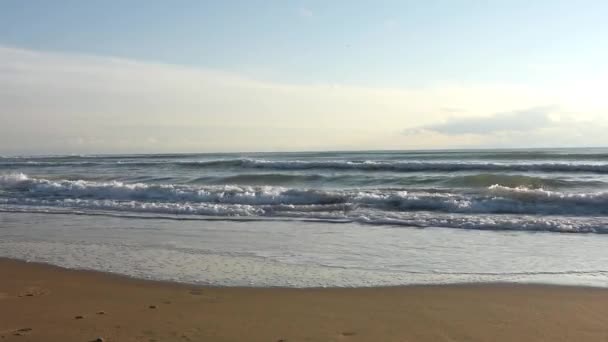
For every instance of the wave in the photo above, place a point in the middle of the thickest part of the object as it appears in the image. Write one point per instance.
(356, 180)
(395, 166)
(205, 211)
(318, 179)
(484, 180)
(275, 200)
(509, 155)
(265, 179)
(32, 164)
(22, 185)
(336, 165)
(353, 179)
(496, 207)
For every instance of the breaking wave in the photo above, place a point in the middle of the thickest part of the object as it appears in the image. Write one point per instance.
(372, 206)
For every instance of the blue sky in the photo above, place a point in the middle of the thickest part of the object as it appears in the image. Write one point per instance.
(534, 46)
(386, 43)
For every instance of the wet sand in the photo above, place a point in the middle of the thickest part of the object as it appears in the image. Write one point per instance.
(46, 303)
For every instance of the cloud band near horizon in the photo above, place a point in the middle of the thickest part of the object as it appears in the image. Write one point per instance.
(69, 103)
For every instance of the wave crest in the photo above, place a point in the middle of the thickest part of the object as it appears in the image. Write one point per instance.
(496, 199)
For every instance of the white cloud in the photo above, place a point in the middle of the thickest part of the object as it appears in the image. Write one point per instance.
(66, 103)
(531, 119)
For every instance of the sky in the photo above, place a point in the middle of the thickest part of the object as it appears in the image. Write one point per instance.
(226, 76)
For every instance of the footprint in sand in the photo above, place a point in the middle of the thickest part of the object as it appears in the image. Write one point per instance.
(197, 292)
(22, 331)
(33, 291)
(348, 334)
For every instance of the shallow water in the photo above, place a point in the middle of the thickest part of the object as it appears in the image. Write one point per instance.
(301, 254)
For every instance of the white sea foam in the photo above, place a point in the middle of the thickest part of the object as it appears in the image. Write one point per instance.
(204, 211)
(233, 200)
(301, 254)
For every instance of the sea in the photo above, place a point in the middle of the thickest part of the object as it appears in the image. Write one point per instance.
(315, 219)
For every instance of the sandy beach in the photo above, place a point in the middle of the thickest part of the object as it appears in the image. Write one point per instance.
(46, 303)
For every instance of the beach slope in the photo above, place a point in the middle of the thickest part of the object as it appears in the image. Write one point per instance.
(46, 303)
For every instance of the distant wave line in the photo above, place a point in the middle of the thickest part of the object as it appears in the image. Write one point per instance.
(357, 165)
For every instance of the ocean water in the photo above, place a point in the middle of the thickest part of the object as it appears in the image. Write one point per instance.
(315, 219)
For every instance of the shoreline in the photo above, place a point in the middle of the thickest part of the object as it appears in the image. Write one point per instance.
(43, 302)
(126, 277)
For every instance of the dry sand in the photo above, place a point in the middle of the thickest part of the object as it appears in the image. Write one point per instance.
(45, 303)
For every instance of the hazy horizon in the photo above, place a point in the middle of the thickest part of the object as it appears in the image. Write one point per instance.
(295, 152)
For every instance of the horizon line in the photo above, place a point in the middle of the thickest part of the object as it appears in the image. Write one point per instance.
(431, 150)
